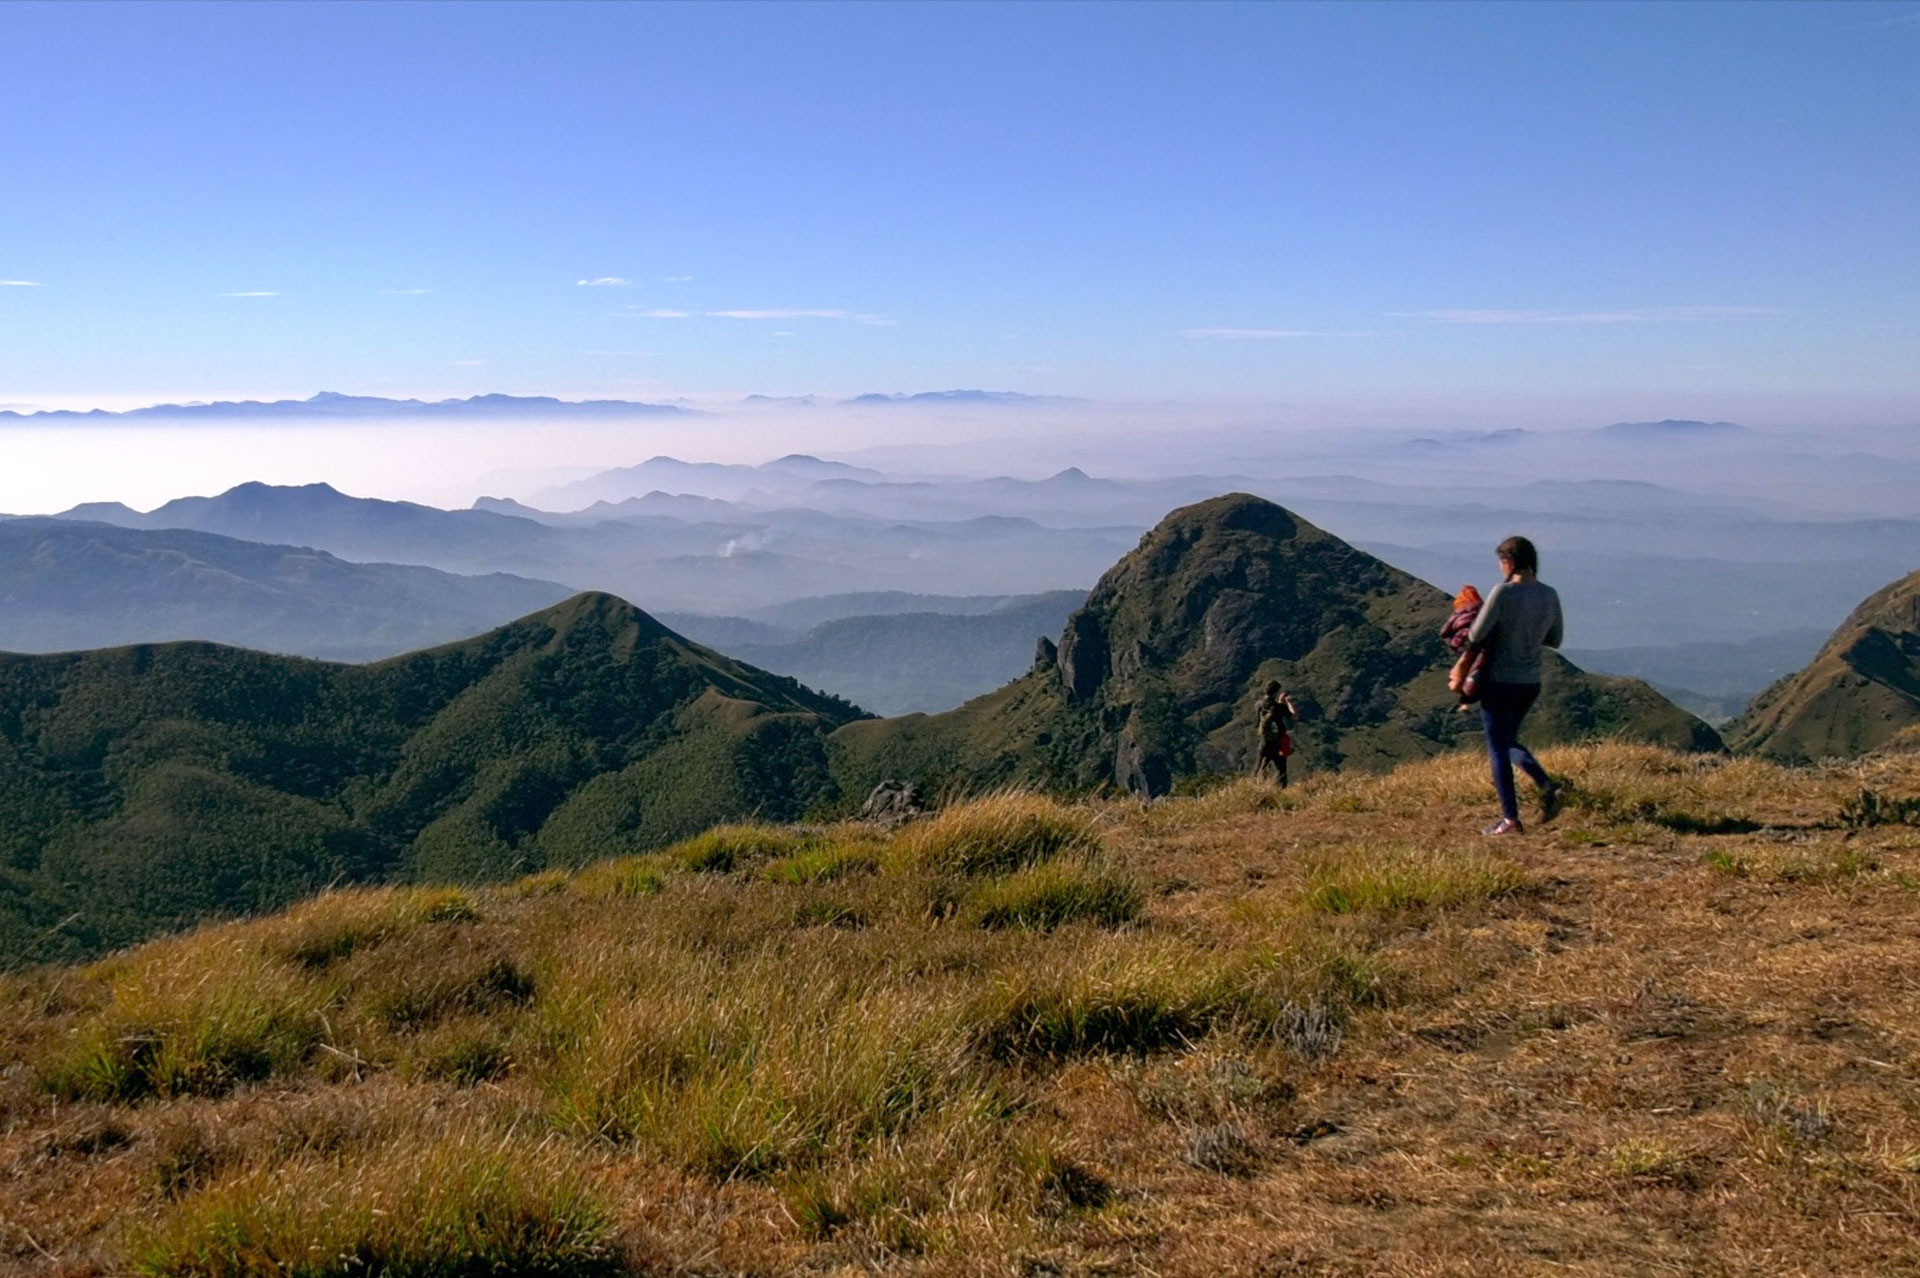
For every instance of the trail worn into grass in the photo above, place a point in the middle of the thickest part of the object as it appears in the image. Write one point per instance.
(1330, 1032)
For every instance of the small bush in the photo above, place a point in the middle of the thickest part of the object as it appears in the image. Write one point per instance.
(1871, 808)
(1403, 878)
(454, 1207)
(1226, 1148)
(725, 848)
(1056, 892)
(997, 834)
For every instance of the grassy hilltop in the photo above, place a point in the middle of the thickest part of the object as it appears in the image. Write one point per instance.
(149, 787)
(1325, 1031)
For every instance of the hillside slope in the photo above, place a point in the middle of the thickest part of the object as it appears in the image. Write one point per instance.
(1156, 675)
(1861, 689)
(69, 585)
(151, 786)
(1330, 1033)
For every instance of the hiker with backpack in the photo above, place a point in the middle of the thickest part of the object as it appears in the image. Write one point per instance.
(1274, 720)
(1521, 617)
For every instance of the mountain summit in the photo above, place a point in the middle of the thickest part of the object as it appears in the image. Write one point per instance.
(1156, 675)
(1862, 688)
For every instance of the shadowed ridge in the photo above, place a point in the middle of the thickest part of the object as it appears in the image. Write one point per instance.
(1156, 674)
(1861, 689)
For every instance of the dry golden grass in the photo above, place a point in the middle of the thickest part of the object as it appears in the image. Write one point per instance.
(1328, 1031)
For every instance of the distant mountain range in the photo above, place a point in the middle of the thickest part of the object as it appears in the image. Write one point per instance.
(67, 585)
(333, 406)
(899, 662)
(710, 479)
(712, 565)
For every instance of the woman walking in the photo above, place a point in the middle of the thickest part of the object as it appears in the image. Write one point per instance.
(1520, 617)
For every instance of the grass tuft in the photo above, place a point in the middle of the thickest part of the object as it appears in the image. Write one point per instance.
(627, 876)
(997, 834)
(1057, 892)
(725, 848)
(823, 863)
(193, 1019)
(1355, 880)
(455, 1207)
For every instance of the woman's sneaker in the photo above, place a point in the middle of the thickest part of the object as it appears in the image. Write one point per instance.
(1505, 825)
(1550, 796)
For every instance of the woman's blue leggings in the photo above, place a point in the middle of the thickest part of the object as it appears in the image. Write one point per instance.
(1502, 707)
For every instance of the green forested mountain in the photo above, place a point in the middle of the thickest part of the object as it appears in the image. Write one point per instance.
(1860, 689)
(66, 584)
(1156, 674)
(146, 787)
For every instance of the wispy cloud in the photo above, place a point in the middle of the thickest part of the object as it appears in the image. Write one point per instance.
(1898, 20)
(251, 293)
(780, 315)
(604, 281)
(403, 292)
(21, 284)
(677, 279)
(1639, 315)
(467, 363)
(772, 313)
(1263, 334)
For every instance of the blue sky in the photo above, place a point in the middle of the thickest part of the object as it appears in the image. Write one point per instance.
(1444, 204)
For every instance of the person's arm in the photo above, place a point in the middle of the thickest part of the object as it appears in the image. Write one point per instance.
(1554, 634)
